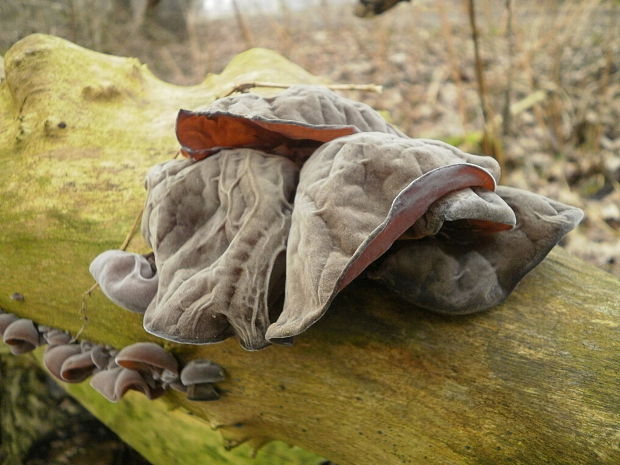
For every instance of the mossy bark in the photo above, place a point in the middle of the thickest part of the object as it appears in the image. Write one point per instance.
(376, 381)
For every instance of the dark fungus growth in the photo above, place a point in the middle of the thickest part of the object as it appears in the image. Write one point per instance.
(144, 366)
(284, 200)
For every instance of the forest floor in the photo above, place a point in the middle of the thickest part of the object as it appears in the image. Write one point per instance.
(556, 65)
(560, 67)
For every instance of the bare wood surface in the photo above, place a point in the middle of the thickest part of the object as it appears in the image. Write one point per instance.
(376, 381)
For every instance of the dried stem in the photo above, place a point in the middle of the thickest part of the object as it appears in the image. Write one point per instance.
(446, 30)
(245, 86)
(507, 116)
(471, 10)
(245, 30)
(491, 144)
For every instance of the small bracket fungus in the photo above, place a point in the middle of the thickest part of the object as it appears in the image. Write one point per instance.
(198, 376)
(297, 195)
(77, 368)
(127, 279)
(148, 358)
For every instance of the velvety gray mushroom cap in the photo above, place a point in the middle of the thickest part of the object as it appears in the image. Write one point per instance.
(347, 193)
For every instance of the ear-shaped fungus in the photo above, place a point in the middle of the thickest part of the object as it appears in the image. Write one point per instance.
(294, 122)
(459, 271)
(55, 337)
(354, 199)
(218, 229)
(104, 383)
(368, 198)
(76, 368)
(55, 356)
(127, 279)
(133, 380)
(21, 336)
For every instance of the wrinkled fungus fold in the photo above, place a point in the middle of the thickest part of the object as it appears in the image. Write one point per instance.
(219, 230)
(283, 201)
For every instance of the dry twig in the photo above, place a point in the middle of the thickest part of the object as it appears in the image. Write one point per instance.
(246, 86)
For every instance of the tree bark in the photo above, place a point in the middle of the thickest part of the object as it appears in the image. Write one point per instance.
(376, 381)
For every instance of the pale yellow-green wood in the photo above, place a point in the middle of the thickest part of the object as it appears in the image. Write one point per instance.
(533, 381)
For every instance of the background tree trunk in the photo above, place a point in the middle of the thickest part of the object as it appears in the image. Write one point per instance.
(376, 381)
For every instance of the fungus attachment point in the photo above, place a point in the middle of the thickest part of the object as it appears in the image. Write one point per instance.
(202, 392)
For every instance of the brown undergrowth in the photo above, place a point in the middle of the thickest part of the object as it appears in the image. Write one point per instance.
(551, 70)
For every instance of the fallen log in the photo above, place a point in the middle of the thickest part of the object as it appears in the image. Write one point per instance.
(533, 381)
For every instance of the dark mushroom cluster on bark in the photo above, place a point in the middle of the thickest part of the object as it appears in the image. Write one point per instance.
(143, 366)
(283, 201)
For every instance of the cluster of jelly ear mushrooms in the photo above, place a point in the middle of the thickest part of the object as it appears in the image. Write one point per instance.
(144, 366)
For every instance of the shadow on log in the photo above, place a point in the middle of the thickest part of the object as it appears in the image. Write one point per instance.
(376, 381)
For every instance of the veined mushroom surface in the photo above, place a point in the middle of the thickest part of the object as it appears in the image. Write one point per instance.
(283, 201)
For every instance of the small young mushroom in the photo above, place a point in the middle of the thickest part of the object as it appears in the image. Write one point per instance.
(104, 383)
(199, 376)
(129, 379)
(55, 356)
(22, 336)
(100, 357)
(55, 337)
(202, 371)
(147, 358)
(76, 368)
